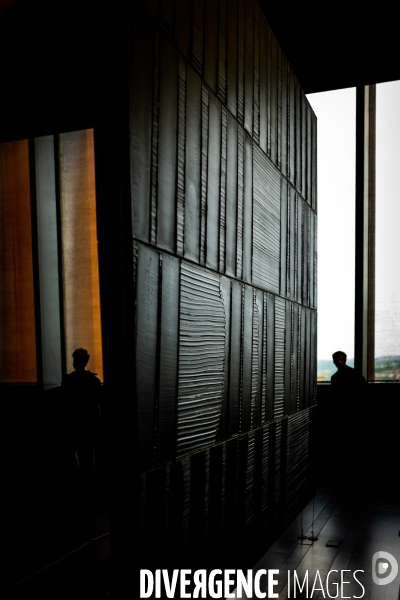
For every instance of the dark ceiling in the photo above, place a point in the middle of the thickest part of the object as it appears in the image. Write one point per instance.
(332, 48)
(60, 60)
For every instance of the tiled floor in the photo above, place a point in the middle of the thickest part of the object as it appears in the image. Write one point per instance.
(351, 527)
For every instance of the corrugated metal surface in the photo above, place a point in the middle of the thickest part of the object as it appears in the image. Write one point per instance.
(225, 192)
(201, 358)
(266, 223)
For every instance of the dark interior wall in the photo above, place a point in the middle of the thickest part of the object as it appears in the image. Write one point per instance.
(357, 438)
(223, 184)
(223, 190)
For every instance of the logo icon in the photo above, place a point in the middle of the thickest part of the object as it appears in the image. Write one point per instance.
(384, 568)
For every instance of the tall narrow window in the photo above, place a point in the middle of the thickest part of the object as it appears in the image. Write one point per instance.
(82, 323)
(336, 122)
(49, 280)
(387, 281)
(17, 317)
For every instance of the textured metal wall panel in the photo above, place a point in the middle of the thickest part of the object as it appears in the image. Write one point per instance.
(273, 100)
(263, 81)
(167, 146)
(294, 393)
(285, 114)
(264, 478)
(247, 346)
(231, 196)
(278, 161)
(256, 361)
(241, 61)
(193, 166)
(154, 141)
(276, 472)
(266, 223)
(202, 358)
(300, 255)
(241, 485)
(313, 359)
(303, 341)
(235, 358)
(306, 260)
(298, 130)
(167, 408)
(205, 102)
(284, 255)
(249, 491)
(213, 184)
(288, 357)
(303, 148)
(291, 243)
(279, 383)
(240, 205)
(264, 364)
(225, 292)
(232, 57)
(269, 41)
(222, 50)
(198, 34)
(314, 265)
(140, 112)
(292, 129)
(180, 175)
(228, 342)
(308, 156)
(269, 361)
(297, 471)
(247, 208)
(146, 351)
(314, 199)
(256, 83)
(307, 358)
(210, 68)
(222, 209)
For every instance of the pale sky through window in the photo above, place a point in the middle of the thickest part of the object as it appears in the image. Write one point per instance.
(336, 112)
(387, 278)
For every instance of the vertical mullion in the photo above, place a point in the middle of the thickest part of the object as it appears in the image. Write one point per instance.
(371, 176)
(35, 263)
(365, 231)
(59, 251)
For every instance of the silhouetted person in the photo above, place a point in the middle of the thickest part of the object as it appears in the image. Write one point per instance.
(346, 379)
(348, 435)
(81, 394)
(82, 418)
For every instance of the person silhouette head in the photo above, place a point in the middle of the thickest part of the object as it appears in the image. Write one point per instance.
(81, 359)
(339, 359)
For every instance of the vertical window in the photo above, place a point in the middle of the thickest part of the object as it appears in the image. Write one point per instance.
(387, 245)
(50, 275)
(336, 122)
(17, 317)
(82, 324)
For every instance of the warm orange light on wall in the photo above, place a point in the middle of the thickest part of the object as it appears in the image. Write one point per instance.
(82, 323)
(17, 315)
